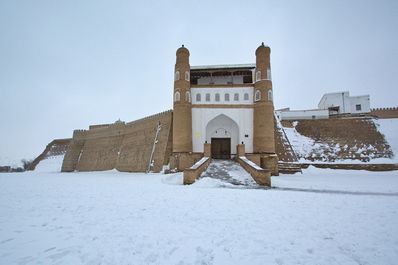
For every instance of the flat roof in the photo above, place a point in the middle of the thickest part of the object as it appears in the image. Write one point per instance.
(223, 66)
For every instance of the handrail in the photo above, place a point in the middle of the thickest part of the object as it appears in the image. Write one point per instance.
(284, 133)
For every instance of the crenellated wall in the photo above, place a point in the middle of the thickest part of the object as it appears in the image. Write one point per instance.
(123, 146)
(385, 113)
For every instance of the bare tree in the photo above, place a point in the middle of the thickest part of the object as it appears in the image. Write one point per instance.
(26, 163)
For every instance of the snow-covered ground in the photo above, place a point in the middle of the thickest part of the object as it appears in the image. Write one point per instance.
(124, 218)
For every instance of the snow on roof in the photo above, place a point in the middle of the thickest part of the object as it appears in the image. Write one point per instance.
(222, 66)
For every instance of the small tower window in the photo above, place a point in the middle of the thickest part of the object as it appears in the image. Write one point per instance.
(258, 75)
(187, 76)
(226, 97)
(217, 97)
(198, 97)
(270, 95)
(269, 74)
(188, 96)
(177, 96)
(246, 96)
(236, 97)
(257, 96)
(177, 76)
(207, 97)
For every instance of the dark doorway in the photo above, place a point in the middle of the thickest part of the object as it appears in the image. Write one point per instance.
(221, 148)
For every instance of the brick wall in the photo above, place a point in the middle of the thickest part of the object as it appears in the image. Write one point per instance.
(385, 113)
(345, 138)
(124, 146)
(54, 148)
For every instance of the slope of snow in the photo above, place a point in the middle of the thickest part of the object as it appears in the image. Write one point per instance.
(389, 127)
(125, 218)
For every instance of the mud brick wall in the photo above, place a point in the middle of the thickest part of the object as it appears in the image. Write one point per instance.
(124, 146)
(385, 113)
(357, 138)
(282, 147)
(54, 148)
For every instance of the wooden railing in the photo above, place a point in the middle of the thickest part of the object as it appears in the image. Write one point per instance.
(192, 173)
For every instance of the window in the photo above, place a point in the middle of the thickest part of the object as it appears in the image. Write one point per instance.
(258, 75)
(358, 107)
(187, 75)
(236, 97)
(198, 97)
(176, 96)
(269, 74)
(246, 96)
(207, 97)
(270, 95)
(187, 96)
(217, 97)
(177, 76)
(226, 97)
(257, 96)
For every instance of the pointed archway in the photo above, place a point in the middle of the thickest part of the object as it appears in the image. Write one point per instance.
(223, 133)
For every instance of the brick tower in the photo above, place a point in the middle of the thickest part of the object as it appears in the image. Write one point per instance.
(263, 116)
(182, 111)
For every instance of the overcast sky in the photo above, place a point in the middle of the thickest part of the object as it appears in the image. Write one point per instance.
(67, 64)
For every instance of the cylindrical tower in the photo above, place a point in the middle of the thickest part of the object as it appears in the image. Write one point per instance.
(263, 123)
(182, 112)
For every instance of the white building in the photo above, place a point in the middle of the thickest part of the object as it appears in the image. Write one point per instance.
(342, 103)
(294, 115)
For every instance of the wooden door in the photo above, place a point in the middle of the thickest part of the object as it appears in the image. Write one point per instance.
(221, 148)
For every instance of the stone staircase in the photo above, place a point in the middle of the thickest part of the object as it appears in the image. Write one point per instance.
(289, 167)
(288, 161)
(228, 171)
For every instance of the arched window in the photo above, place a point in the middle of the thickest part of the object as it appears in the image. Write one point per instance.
(177, 76)
(270, 95)
(246, 96)
(198, 97)
(258, 75)
(177, 96)
(226, 97)
(187, 75)
(236, 97)
(269, 74)
(207, 97)
(217, 97)
(257, 96)
(187, 96)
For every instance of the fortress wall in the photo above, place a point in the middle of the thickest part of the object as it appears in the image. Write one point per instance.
(138, 142)
(345, 138)
(99, 153)
(385, 113)
(56, 147)
(126, 147)
(72, 155)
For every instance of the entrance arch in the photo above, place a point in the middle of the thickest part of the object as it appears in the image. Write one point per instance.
(223, 133)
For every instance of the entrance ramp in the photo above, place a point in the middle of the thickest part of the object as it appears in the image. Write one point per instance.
(228, 171)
